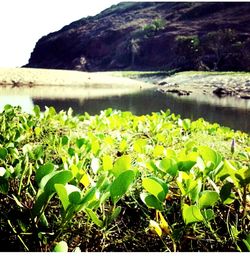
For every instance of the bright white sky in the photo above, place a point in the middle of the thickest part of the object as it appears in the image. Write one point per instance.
(23, 22)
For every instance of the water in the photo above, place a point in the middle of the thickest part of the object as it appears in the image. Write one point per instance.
(229, 111)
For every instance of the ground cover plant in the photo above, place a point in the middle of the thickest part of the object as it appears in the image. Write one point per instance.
(120, 182)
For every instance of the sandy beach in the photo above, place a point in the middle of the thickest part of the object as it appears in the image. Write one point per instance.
(65, 84)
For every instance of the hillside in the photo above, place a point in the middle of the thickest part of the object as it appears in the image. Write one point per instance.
(152, 35)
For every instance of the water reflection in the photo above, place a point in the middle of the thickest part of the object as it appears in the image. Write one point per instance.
(230, 112)
(24, 101)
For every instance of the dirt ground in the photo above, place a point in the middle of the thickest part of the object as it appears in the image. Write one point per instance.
(65, 84)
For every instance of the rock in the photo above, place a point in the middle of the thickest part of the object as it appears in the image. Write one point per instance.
(223, 91)
(179, 92)
(245, 96)
(163, 83)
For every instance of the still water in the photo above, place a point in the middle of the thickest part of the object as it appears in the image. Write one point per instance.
(229, 111)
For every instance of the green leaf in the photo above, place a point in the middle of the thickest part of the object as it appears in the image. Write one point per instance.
(121, 185)
(64, 140)
(75, 197)
(37, 111)
(4, 186)
(209, 155)
(191, 214)
(40, 203)
(107, 162)
(63, 195)
(122, 164)
(168, 165)
(59, 177)
(194, 189)
(115, 213)
(208, 199)
(156, 187)
(80, 142)
(3, 153)
(151, 201)
(186, 124)
(62, 246)
(94, 217)
(71, 152)
(88, 197)
(225, 192)
(208, 214)
(140, 145)
(44, 170)
(38, 152)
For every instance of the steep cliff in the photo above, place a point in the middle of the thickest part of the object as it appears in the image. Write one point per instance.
(150, 36)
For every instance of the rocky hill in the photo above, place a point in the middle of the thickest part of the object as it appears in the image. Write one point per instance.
(150, 36)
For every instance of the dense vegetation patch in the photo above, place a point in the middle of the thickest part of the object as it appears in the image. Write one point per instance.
(120, 182)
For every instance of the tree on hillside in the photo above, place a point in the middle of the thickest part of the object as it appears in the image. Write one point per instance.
(221, 45)
(134, 49)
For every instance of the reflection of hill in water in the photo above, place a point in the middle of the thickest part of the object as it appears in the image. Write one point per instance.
(228, 111)
(24, 101)
(231, 112)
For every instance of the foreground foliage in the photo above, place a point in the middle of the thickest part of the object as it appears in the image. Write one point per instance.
(119, 182)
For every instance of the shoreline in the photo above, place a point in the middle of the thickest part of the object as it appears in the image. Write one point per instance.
(65, 84)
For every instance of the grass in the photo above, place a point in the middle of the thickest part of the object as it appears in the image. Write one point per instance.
(120, 182)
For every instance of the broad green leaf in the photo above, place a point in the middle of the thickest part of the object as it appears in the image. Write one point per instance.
(122, 164)
(64, 140)
(85, 180)
(158, 151)
(151, 201)
(3, 153)
(94, 217)
(243, 176)
(58, 177)
(41, 201)
(37, 131)
(169, 166)
(107, 162)
(62, 246)
(140, 145)
(37, 111)
(43, 171)
(38, 152)
(227, 170)
(208, 214)
(225, 193)
(4, 186)
(88, 197)
(63, 195)
(156, 187)
(191, 214)
(209, 155)
(208, 199)
(115, 213)
(71, 152)
(246, 241)
(80, 142)
(194, 189)
(121, 185)
(186, 124)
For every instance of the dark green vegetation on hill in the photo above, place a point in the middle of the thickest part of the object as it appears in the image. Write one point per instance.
(152, 36)
(120, 182)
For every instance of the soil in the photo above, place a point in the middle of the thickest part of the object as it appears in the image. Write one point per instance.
(64, 84)
(220, 84)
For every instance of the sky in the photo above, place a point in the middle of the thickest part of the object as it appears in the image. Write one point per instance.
(24, 22)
